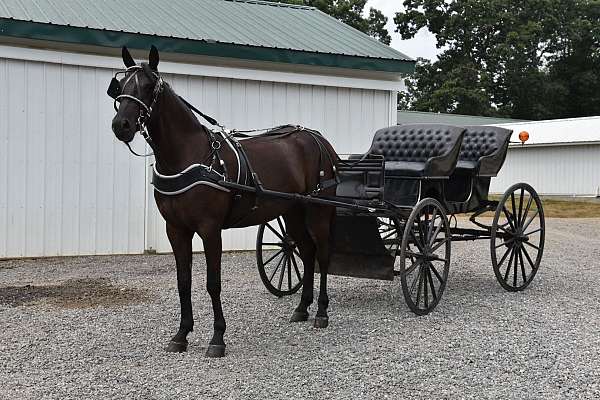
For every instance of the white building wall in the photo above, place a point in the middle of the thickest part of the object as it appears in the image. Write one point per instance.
(68, 187)
(555, 169)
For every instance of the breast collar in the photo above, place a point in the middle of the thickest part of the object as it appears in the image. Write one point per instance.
(203, 174)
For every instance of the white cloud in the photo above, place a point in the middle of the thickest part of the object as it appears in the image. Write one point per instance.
(422, 45)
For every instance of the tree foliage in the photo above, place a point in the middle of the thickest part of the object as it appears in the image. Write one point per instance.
(528, 59)
(351, 12)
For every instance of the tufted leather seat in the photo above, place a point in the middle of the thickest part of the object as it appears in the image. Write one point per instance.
(420, 150)
(483, 150)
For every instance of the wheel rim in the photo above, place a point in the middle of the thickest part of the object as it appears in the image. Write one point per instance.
(425, 256)
(517, 240)
(278, 260)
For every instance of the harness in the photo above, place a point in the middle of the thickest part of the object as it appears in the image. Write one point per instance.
(206, 173)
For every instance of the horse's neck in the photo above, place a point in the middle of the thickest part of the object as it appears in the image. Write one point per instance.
(180, 140)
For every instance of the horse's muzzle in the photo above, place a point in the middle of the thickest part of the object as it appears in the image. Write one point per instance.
(123, 129)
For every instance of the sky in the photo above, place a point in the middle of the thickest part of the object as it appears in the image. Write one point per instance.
(422, 45)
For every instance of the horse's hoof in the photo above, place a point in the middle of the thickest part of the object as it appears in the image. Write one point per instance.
(299, 316)
(215, 350)
(177, 347)
(321, 322)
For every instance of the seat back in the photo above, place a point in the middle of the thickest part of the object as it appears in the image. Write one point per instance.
(415, 143)
(487, 146)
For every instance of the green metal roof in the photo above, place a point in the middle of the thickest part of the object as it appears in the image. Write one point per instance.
(416, 117)
(247, 29)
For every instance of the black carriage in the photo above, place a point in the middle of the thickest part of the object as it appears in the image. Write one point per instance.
(397, 208)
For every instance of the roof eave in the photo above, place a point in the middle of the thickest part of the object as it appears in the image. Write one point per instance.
(106, 38)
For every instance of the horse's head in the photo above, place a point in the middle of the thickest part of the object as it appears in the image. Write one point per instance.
(136, 89)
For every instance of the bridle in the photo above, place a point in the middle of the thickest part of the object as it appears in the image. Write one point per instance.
(115, 90)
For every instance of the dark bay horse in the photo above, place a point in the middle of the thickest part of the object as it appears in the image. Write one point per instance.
(289, 163)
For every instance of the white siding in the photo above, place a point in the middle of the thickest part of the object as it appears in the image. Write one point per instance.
(66, 186)
(565, 170)
(347, 117)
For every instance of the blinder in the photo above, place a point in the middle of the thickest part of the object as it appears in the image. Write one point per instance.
(114, 89)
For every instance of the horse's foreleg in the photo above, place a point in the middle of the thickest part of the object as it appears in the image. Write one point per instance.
(181, 242)
(212, 251)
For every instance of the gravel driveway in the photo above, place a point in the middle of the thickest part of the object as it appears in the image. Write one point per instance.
(95, 327)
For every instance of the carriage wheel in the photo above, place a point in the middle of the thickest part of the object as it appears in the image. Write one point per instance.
(278, 259)
(390, 232)
(517, 237)
(425, 256)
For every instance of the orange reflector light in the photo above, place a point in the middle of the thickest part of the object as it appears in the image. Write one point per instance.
(524, 136)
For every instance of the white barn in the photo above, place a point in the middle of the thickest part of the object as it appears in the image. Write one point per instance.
(561, 157)
(68, 187)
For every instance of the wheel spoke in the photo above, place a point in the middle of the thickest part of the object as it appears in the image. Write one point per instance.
(282, 272)
(532, 245)
(419, 288)
(508, 249)
(532, 232)
(276, 268)
(515, 268)
(414, 265)
(524, 217)
(435, 234)
(271, 259)
(432, 224)
(512, 253)
(433, 293)
(529, 259)
(289, 265)
(414, 282)
(425, 285)
(531, 219)
(296, 268)
(437, 246)
(522, 266)
(416, 241)
(514, 208)
(389, 234)
(509, 218)
(519, 220)
(281, 225)
(437, 275)
(273, 244)
(274, 231)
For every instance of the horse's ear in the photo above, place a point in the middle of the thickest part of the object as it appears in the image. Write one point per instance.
(153, 59)
(127, 59)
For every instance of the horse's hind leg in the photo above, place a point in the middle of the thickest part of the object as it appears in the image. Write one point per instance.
(319, 222)
(295, 223)
(212, 252)
(181, 243)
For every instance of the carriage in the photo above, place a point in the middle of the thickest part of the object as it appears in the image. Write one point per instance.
(398, 209)
(394, 205)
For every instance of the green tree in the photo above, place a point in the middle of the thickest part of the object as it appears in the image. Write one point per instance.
(529, 59)
(351, 12)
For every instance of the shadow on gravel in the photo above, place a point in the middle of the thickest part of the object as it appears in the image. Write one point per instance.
(74, 293)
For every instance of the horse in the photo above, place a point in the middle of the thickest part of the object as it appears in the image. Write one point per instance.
(291, 163)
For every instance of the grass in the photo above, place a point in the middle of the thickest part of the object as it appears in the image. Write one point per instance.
(554, 208)
(570, 209)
